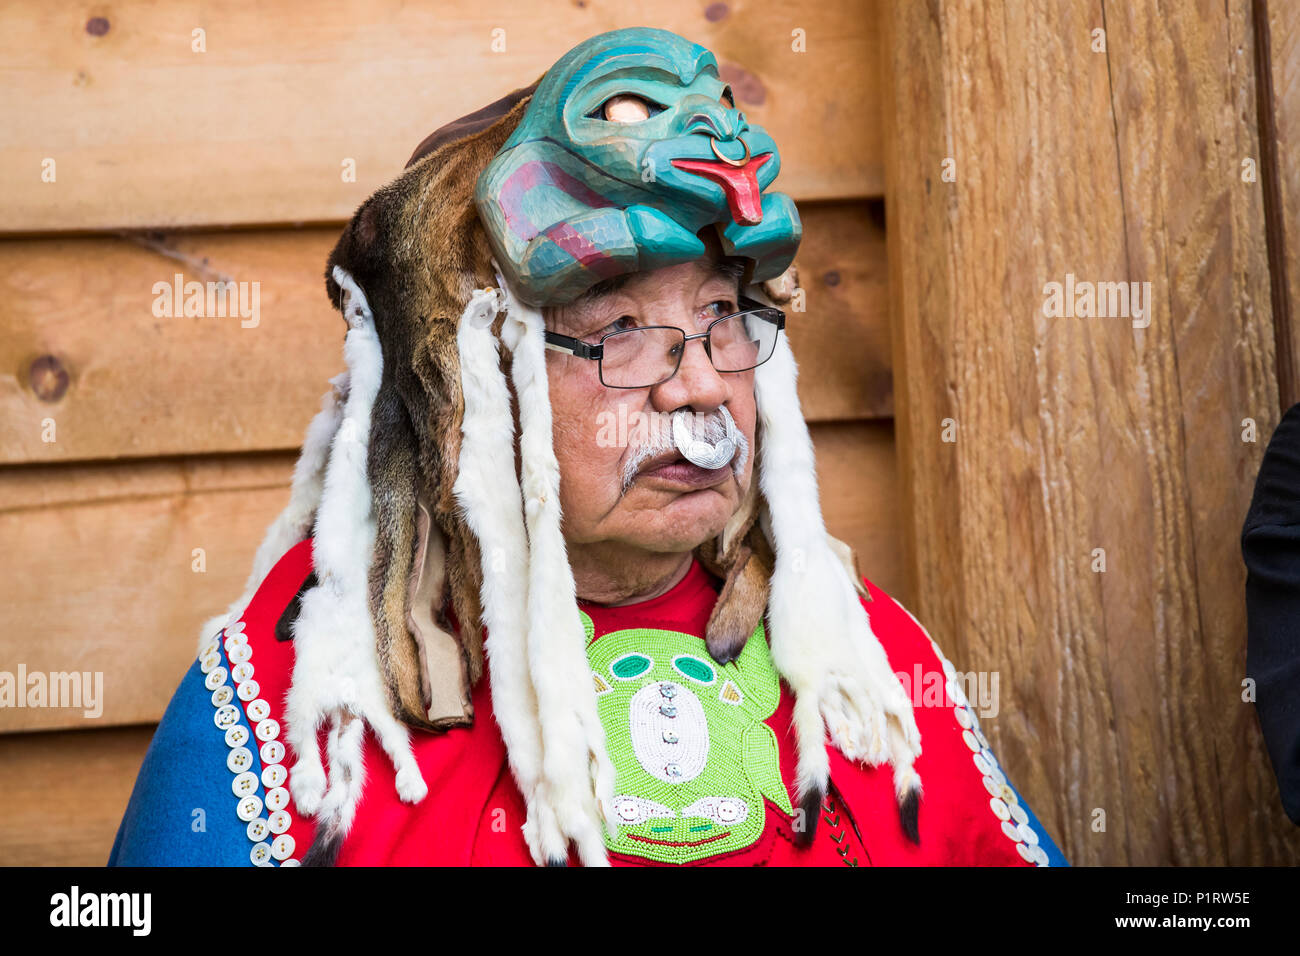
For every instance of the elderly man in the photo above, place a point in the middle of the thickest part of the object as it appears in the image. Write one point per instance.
(569, 422)
(635, 511)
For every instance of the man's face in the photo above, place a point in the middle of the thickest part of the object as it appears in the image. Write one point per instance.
(667, 507)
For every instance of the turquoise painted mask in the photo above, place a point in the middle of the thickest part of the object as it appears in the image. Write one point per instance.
(629, 147)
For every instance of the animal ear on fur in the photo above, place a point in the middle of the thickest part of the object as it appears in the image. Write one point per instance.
(472, 123)
(356, 252)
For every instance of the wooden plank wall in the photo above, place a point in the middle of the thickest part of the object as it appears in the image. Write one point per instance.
(1122, 713)
(172, 434)
(256, 128)
(1278, 61)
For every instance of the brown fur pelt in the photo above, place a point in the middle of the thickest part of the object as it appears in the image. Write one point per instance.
(418, 250)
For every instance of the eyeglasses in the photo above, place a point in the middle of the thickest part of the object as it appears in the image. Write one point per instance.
(650, 355)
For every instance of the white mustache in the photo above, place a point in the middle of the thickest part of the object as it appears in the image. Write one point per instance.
(709, 441)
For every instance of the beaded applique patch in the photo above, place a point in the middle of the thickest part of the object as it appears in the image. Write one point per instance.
(693, 756)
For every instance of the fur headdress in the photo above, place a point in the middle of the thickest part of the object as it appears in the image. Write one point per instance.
(439, 277)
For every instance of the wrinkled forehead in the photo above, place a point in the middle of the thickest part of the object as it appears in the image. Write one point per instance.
(723, 273)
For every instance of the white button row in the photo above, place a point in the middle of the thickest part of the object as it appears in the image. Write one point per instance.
(239, 760)
(1011, 816)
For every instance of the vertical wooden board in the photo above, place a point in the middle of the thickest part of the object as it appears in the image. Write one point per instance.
(1074, 433)
(1282, 57)
(841, 339)
(1197, 232)
(145, 131)
(103, 575)
(65, 794)
(857, 475)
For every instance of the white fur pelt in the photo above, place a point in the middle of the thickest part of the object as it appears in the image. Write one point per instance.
(294, 523)
(336, 674)
(821, 636)
(577, 774)
(485, 488)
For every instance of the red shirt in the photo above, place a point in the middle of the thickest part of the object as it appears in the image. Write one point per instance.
(473, 812)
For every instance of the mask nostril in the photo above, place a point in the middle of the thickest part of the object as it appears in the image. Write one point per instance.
(704, 126)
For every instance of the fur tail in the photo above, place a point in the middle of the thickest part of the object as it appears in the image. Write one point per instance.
(324, 849)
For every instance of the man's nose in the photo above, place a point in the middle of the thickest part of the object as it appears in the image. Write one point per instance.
(697, 383)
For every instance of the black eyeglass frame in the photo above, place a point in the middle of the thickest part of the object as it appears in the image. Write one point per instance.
(586, 350)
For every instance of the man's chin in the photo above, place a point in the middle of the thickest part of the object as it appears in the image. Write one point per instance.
(683, 518)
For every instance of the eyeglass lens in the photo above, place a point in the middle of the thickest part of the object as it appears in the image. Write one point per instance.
(640, 358)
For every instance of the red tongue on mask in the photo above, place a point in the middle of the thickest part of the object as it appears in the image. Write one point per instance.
(740, 183)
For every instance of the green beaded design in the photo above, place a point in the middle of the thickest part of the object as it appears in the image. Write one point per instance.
(693, 756)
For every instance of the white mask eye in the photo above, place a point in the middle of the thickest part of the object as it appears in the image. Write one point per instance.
(626, 109)
(632, 811)
(724, 811)
(730, 811)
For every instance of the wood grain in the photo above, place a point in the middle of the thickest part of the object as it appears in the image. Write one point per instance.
(857, 474)
(1121, 689)
(145, 132)
(1283, 61)
(100, 573)
(142, 385)
(65, 794)
(842, 340)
